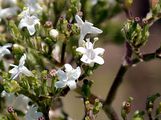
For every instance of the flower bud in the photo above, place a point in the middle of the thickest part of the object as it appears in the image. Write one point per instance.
(10, 109)
(54, 33)
(41, 118)
(53, 72)
(48, 24)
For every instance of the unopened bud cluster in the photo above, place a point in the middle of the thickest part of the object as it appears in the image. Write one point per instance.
(136, 34)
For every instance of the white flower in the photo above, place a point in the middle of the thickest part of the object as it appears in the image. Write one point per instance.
(91, 55)
(4, 50)
(68, 78)
(20, 69)
(53, 33)
(25, 12)
(34, 6)
(8, 12)
(19, 102)
(32, 114)
(86, 28)
(29, 22)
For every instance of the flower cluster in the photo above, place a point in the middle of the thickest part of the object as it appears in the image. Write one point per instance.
(44, 49)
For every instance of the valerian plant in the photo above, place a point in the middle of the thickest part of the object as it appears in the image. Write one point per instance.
(47, 49)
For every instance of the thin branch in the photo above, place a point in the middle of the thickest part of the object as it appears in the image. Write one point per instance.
(150, 116)
(110, 112)
(63, 52)
(117, 82)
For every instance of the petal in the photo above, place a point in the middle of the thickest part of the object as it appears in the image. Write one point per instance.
(60, 84)
(38, 115)
(22, 60)
(74, 74)
(79, 20)
(15, 75)
(85, 59)
(31, 29)
(22, 23)
(14, 70)
(89, 45)
(14, 65)
(77, 73)
(7, 45)
(99, 51)
(6, 51)
(34, 19)
(99, 60)
(71, 84)
(61, 75)
(68, 67)
(89, 23)
(95, 30)
(7, 12)
(81, 50)
(25, 71)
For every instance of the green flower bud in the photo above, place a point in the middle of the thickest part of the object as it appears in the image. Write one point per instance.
(126, 107)
(138, 115)
(11, 86)
(136, 35)
(97, 106)
(18, 49)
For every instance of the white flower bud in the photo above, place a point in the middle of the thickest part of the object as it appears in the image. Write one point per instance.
(53, 33)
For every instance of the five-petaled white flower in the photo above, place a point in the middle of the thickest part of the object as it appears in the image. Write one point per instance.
(29, 21)
(4, 50)
(33, 114)
(86, 28)
(34, 6)
(19, 102)
(68, 78)
(20, 69)
(91, 55)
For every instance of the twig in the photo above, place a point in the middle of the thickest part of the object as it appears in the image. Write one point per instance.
(110, 112)
(117, 82)
(63, 52)
(150, 116)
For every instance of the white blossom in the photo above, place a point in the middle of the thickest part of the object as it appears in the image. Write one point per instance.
(4, 50)
(33, 114)
(91, 55)
(86, 28)
(8, 12)
(29, 22)
(20, 69)
(68, 77)
(34, 6)
(19, 102)
(53, 33)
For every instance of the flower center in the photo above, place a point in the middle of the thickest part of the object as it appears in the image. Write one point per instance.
(30, 21)
(91, 54)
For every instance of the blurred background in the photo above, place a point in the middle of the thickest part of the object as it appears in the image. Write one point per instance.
(139, 82)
